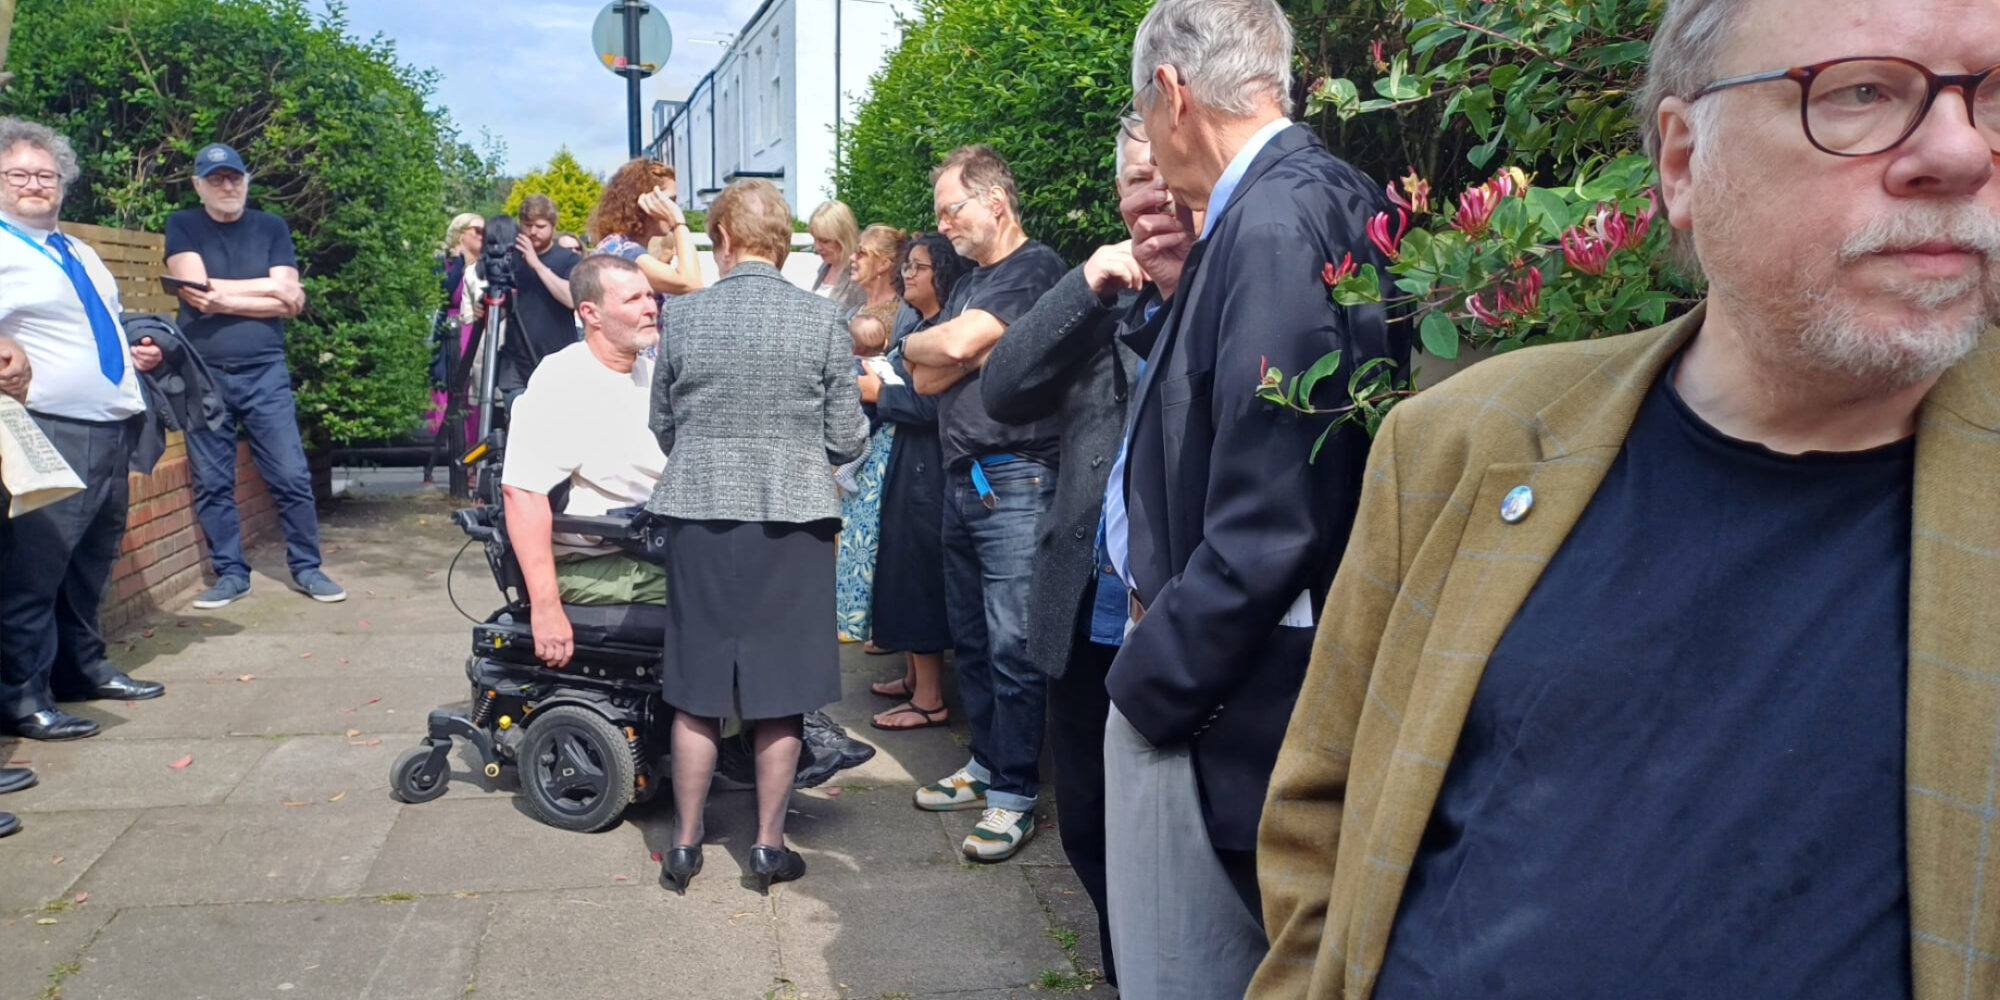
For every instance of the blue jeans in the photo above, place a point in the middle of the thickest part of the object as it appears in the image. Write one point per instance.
(989, 561)
(260, 397)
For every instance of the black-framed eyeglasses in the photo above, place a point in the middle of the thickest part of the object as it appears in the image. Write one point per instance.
(1863, 105)
(913, 267)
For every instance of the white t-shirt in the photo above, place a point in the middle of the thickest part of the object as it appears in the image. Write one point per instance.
(582, 421)
(39, 308)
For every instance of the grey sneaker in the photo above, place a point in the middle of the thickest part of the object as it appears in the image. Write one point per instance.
(227, 590)
(315, 585)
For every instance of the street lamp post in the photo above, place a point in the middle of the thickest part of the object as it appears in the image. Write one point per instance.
(632, 10)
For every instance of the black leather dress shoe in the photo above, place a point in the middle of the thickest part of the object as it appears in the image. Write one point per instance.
(14, 779)
(123, 688)
(9, 824)
(53, 724)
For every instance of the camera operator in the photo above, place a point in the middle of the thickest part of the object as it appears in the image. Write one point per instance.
(543, 319)
(583, 419)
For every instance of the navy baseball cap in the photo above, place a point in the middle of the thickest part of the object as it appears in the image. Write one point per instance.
(216, 156)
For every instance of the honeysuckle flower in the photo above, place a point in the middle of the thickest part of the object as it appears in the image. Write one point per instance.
(1585, 252)
(1387, 238)
(1375, 51)
(1475, 210)
(1333, 275)
(1415, 196)
(1481, 313)
(1518, 178)
(1525, 295)
(1644, 220)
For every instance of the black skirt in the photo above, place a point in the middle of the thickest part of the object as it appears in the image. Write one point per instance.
(909, 557)
(749, 618)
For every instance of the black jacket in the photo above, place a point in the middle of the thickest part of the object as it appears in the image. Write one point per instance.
(180, 391)
(1062, 357)
(1229, 520)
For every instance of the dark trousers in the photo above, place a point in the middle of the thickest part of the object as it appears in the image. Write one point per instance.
(261, 397)
(1078, 706)
(989, 561)
(55, 563)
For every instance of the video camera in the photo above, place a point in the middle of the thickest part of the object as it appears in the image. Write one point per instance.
(496, 258)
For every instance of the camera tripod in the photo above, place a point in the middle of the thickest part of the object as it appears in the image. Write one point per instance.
(485, 346)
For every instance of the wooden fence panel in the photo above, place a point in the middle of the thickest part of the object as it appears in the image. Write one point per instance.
(137, 260)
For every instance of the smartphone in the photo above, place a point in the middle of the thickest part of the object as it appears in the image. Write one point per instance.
(171, 284)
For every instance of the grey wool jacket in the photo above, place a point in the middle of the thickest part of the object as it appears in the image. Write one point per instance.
(754, 402)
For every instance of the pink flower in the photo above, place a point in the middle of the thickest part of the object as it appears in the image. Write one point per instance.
(1475, 210)
(1375, 50)
(1525, 295)
(1415, 196)
(1481, 313)
(1585, 252)
(1386, 239)
(1644, 220)
(1333, 275)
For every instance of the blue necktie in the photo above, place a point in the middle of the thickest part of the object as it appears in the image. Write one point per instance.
(110, 353)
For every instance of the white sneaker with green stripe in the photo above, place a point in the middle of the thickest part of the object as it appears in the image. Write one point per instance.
(959, 790)
(999, 834)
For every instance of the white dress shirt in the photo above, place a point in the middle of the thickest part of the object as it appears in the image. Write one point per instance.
(40, 309)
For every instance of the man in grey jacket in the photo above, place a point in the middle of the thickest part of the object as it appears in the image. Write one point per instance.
(1063, 359)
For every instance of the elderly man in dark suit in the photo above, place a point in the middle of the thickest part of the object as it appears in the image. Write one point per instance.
(1064, 359)
(1233, 534)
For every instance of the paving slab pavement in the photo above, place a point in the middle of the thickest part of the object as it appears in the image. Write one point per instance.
(274, 865)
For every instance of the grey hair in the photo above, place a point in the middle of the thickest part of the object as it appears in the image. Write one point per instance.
(15, 131)
(1686, 45)
(1230, 52)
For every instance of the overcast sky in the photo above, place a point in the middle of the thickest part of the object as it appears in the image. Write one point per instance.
(524, 69)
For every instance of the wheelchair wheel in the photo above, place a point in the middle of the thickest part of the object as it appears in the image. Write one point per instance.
(576, 769)
(409, 780)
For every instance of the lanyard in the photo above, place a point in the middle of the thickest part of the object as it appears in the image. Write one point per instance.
(40, 246)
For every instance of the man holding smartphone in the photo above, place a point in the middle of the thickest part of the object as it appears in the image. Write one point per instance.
(237, 323)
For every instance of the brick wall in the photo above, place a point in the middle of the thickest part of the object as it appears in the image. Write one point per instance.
(164, 556)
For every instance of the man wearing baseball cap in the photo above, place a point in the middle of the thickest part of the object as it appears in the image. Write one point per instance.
(246, 260)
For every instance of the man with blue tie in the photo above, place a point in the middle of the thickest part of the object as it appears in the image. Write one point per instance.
(60, 304)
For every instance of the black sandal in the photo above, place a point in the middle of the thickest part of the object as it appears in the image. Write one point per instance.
(904, 692)
(938, 716)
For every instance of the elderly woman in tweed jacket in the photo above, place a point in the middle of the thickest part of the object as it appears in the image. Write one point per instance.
(754, 399)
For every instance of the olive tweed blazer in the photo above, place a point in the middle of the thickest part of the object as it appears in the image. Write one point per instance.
(1432, 577)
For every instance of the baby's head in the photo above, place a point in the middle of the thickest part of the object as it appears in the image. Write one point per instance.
(869, 333)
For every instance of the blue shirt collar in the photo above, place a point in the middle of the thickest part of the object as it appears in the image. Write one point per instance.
(1225, 186)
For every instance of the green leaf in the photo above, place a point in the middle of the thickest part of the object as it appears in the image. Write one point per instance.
(1439, 334)
(1550, 210)
(1320, 369)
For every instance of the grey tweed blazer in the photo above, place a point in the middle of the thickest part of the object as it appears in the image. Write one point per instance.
(754, 401)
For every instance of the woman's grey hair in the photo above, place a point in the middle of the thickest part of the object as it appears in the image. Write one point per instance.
(1230, 52)
(1686, 45)
(15, 131)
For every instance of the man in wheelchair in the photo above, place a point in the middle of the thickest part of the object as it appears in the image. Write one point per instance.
(581, 716)
(579, 433)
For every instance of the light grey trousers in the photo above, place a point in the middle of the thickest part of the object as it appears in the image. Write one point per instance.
(1178, 926)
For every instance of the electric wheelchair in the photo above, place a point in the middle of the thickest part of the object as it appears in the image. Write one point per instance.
(589, 739)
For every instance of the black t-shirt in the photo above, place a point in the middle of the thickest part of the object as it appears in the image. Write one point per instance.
(1682, 775)
(538, 317)
(1006, 288)
(247, 248)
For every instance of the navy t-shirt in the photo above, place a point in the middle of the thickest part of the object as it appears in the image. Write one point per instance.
(246, 248)
(1007, 288)
(1682, 773)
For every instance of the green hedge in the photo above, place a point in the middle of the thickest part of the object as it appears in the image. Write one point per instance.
(1040, 80)
(340, 139)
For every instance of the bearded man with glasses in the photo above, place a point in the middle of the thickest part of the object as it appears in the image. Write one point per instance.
(1663, 665)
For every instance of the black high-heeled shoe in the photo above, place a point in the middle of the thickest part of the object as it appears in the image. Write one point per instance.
(775, 864)
(680, 867)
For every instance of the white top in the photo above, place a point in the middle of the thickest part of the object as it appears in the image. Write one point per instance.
(39, 308)
(582, 421)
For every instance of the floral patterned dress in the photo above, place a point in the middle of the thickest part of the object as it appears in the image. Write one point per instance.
(860, 532)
